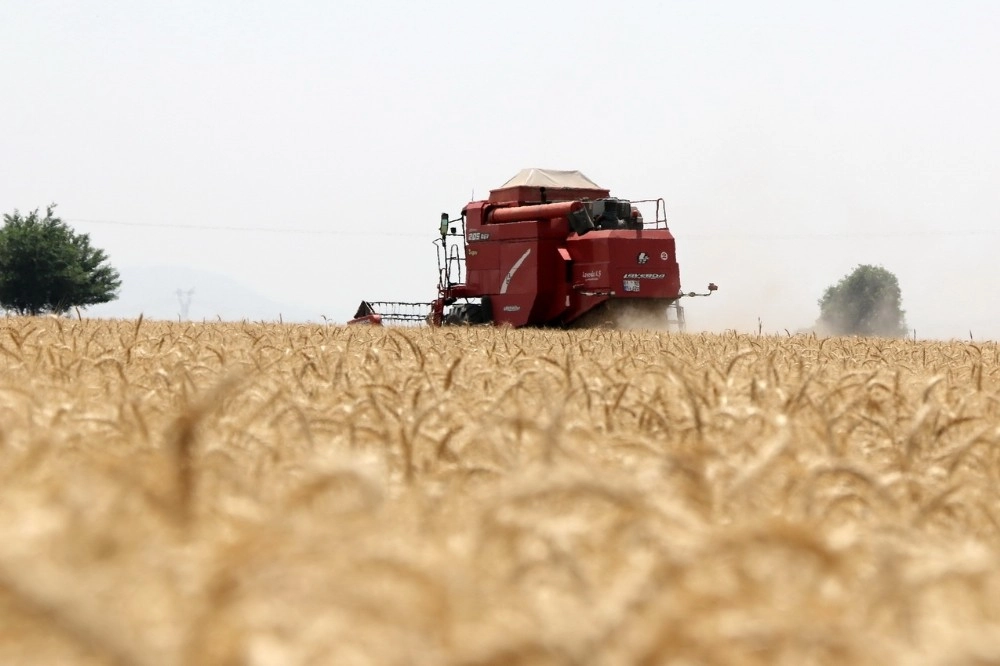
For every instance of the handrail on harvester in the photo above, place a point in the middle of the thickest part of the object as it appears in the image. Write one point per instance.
(660, 220)
(450, 257)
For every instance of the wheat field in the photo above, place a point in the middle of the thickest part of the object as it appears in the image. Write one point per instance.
(251, 493)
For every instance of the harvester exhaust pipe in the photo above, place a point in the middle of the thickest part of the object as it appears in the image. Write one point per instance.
(574, 211)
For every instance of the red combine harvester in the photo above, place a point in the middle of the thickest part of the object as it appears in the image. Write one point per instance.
(550, 248)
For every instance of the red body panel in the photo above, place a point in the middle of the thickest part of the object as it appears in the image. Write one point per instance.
(536, 271)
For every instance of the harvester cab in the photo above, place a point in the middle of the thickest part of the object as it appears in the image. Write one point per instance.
(551, 248)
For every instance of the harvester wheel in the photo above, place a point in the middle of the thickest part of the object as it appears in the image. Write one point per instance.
(466, 314)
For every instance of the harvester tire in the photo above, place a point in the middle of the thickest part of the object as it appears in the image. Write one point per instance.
(466, 314)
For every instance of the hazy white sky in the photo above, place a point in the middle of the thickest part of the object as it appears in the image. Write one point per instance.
(791, 140)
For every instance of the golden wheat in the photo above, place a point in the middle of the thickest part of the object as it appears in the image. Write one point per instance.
(288, 494)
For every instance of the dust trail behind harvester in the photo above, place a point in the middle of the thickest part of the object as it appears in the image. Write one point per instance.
(633, 316)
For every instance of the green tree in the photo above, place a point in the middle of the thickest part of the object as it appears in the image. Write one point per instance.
(46, 267)
(865, 302)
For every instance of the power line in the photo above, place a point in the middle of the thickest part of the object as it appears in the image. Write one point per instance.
(846, 235)
(715, 236)
(271, 230)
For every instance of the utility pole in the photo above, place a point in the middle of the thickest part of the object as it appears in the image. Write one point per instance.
(184, 298)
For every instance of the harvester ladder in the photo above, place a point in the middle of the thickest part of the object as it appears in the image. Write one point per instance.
(453, 265)
(451, 255)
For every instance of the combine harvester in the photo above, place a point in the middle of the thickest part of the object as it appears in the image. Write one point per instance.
(550, 248)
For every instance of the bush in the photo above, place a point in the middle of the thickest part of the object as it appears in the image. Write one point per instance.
(865, 302)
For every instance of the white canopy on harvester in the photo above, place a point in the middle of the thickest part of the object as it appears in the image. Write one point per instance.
(551, 178)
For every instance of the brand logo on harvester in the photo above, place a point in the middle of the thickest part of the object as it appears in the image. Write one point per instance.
(645, 276)
(592, 275)
(642, 258)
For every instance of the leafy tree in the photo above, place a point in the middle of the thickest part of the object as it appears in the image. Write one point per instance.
(46, 267)
(865, 302)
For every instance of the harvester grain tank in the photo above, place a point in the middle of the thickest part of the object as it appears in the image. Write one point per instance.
(550, 248)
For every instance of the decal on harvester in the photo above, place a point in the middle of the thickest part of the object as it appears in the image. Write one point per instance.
(642, 258)
(631, 285)
(645, 276)
(664, 256)
(513, 269)
(478, 236)
(512, 308)
(592, 275)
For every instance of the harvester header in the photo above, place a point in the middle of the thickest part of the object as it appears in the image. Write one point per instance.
(551, 248)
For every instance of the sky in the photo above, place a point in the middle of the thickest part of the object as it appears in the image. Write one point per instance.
(304, 150)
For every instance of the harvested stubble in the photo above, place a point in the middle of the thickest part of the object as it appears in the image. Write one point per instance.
(279, 494)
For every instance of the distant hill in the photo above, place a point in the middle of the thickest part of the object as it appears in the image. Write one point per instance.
(152, 292)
